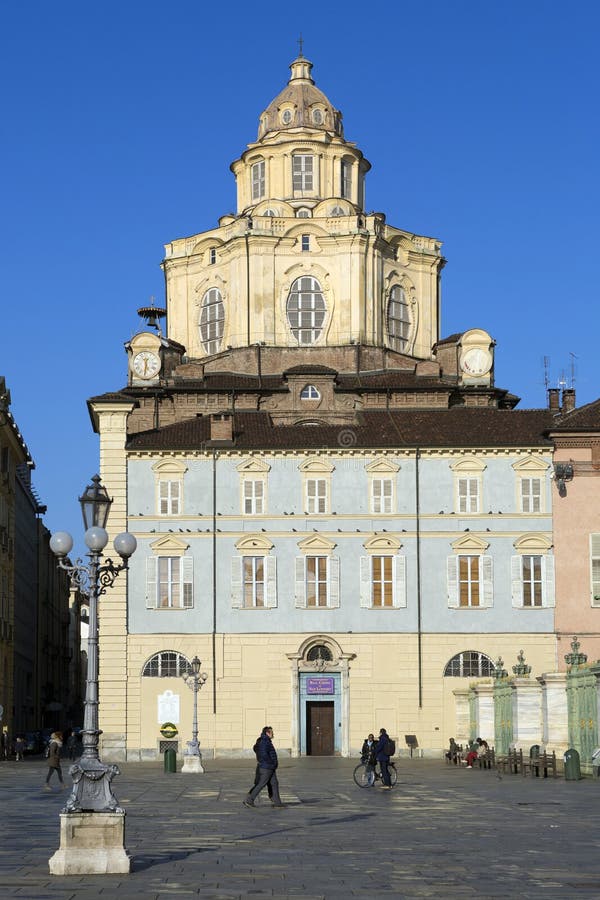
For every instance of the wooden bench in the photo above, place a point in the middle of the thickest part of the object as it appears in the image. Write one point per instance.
(512, 762)
(542, 762)
(488, 759)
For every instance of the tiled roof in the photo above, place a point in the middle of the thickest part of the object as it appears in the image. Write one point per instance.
(460, 427)
(585, 418)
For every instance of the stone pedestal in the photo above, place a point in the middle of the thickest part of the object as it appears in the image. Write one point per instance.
(484, 706)
(192, 764)
(554, 708)
(91, 843)
(462, 711)
(527, 712)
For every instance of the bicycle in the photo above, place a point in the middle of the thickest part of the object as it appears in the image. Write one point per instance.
(366, 775)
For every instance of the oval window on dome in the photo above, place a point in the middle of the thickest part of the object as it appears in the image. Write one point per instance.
(286, 116)
(212, 320)
(398, 319)
(317, 116)
(306, 309)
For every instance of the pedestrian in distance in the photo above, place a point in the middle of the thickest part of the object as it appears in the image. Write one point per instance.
(367, 754)
(54, 749)
(20, 747)
(383, 758)
(257, 772)
(266, 756)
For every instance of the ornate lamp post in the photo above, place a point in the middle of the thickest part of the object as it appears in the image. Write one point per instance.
(92, 791)
(195, 680)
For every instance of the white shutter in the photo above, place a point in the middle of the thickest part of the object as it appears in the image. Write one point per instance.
(301, 582)
(399, 575)
(486, 577)
(151, 565)
(333, 582)
(237, 582)
(548, 598)
(452, 569)
(270, 582)
(175, 490)
(366, 592)
(163, 488)
(516, 578)
(187, 581)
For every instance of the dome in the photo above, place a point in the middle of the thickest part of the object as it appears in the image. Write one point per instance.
(300, 105)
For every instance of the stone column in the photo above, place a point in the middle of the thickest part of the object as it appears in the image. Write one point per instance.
(484, 705)
(527, 712)
(294, 659)
(344, 663)
(555, 719)
(462, 727)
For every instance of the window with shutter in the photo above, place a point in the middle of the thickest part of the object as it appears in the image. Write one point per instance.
(531, 495)
(468, 495)
(381, 495)
(254, 492)
(212, 320)
(170, 582)
(302, 172)
(398, 319)
(169, 494)
(306, 310)
(316, 495)
(258, 180)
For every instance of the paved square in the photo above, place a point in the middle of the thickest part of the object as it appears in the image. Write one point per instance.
(442, 832)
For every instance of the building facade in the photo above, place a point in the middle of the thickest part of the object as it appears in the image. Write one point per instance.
(336, 508)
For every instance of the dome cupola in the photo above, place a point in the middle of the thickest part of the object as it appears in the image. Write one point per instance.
(300, 105)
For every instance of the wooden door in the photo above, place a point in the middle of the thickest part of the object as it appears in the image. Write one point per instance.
(319, 728)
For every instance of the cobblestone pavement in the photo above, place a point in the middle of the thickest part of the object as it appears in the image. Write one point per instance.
(442, 831)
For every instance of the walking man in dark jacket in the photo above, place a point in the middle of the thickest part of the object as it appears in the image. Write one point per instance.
(266, 756)
(383, 759)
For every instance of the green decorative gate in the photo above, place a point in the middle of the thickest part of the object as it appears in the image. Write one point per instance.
(582, 704)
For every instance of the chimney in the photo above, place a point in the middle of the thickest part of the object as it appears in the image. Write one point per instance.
(568, 400)
(221, 427)
(554, 399)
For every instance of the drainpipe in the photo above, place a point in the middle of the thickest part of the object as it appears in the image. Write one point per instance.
(214, 578)
(418, 539)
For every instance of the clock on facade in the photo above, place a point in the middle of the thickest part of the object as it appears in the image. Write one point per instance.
(146, 364)
(476, 361)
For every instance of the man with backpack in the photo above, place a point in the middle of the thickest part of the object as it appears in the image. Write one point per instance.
(384, 748)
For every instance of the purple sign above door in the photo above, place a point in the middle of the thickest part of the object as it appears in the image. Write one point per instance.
(323, 685)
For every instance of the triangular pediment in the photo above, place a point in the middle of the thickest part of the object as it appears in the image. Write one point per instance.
(169, 544)
(470, 542)
(316, 542)
(382, 466)
(531, 464)
(253, 465)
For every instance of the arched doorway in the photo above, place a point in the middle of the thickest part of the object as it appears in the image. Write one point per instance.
(320, 698)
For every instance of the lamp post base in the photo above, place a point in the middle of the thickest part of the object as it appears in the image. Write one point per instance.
(91, 843)
(192, 764)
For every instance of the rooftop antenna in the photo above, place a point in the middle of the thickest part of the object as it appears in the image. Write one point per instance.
(573, 358)
(547, 373)
(152, 315)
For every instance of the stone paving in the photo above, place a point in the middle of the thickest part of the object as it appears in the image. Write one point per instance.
(442, 831)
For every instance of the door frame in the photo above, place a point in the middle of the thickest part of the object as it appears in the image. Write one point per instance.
(310, 707)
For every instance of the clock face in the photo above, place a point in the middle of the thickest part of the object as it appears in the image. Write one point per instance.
(146, 364)
(476, 361)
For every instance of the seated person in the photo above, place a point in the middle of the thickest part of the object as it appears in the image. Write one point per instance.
(474, 748)
(452, 751)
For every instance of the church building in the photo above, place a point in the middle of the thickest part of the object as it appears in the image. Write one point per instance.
(336, 507)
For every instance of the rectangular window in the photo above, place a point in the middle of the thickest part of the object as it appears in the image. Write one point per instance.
(316, 581)
(258, 180)
(254, 581)
(468, 580)
(213, 256)
(254, 493)
(531, 495)
(316, 495)
(346, 180)
(532, 580)
(169, 493)
(383, 584)
(173, 584)
(468, 495)
(305, 243)
(302, 172)
(381, 495)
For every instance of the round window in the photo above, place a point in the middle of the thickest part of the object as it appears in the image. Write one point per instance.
(286, 117)
(317, 117)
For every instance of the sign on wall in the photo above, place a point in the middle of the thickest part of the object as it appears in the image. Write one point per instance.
(323, 684)
(168, 707)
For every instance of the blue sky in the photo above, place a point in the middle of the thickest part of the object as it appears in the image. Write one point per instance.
(120, 120)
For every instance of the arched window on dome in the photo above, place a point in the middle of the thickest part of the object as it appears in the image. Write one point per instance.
(303, 213)
(310, 392)
(470, 664)
(317, 116)
(167, 664)
(212, 320)
(398, 319)
(271, 212)
(306, 309)
(337, 211)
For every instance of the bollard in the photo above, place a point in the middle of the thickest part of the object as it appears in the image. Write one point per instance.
(170, 761)
(572, 767)
(534, 756)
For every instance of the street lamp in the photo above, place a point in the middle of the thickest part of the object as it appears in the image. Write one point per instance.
(92, 792)
(194, 679)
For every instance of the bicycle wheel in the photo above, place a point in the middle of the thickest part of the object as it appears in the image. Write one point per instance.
(393, 773)
(364, 776)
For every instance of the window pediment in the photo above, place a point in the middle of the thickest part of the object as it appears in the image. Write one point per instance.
(251, 543)
(253, 466)
(529, 465)
(470, 542)
(316, 464)
(169, 544)
(382, 466)
(533, 542)
(170, 467)
(316, 543)
(382, 543)
(470, 464)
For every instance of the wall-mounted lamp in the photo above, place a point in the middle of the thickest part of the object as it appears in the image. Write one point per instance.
(563, 472)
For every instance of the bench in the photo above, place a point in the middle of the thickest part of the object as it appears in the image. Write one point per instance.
(539, 761)
(512, 762)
